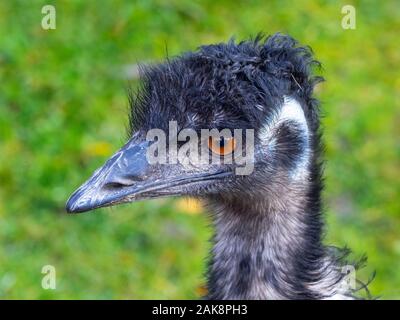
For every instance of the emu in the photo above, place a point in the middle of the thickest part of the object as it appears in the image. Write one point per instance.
(268, 224)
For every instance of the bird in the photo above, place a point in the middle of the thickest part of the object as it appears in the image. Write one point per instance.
(269, 226)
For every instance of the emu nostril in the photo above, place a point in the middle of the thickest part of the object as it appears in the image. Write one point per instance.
(123, 181)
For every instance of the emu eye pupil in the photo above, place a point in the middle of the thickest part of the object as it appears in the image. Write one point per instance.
(222, 146)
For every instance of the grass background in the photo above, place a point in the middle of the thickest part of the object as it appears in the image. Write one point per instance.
(63, 111)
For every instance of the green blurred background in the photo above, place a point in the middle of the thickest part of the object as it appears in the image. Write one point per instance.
(63, 110)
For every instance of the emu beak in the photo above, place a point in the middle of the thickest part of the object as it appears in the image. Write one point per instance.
(127, 176)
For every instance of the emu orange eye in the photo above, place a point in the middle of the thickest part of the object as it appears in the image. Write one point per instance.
(222, 146)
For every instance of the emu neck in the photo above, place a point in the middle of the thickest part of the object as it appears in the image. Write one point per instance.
(266, 248)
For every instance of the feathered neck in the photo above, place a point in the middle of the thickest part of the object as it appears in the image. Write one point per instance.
(269, 247)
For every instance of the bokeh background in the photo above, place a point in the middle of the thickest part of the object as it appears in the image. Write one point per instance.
(63, 110)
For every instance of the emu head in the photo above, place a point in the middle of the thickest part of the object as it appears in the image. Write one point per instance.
(263, 86)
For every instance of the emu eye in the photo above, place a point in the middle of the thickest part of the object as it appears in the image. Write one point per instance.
(222, 146)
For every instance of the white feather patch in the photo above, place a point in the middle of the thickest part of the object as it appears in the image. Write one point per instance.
(291, 110)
